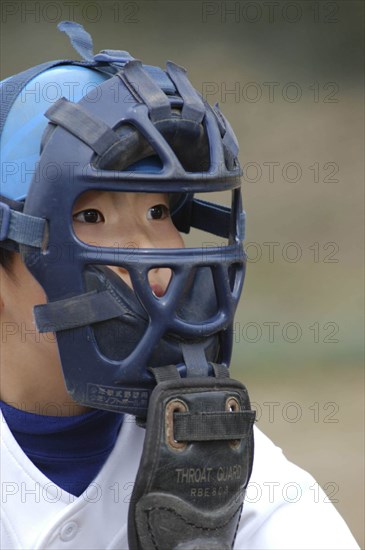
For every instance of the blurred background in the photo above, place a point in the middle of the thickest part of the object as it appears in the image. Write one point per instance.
(289, 76)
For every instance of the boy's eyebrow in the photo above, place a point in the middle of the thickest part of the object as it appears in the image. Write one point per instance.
(89, 196)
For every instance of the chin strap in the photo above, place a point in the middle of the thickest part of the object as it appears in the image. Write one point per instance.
(196, 463)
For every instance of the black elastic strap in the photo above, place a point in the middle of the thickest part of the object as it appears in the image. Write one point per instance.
(146, 88)
(195, 359)
(89, 129)
(212, 426)
(85, 309)
(161, 78)
(220, 371)
(229, 138)
(193, 108)
(169, 372)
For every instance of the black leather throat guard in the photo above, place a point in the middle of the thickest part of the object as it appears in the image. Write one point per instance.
(195, 466)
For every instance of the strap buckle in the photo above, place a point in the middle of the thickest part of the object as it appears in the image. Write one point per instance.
(4, 220)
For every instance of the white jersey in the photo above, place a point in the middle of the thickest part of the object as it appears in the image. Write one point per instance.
(284, 507)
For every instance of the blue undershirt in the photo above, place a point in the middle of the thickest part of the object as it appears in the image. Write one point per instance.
(69, 450)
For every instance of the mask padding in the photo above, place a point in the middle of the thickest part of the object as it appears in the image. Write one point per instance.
(117, 338)
(187, 139)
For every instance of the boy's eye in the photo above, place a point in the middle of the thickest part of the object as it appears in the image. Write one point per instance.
(89, 216)
(158, 212)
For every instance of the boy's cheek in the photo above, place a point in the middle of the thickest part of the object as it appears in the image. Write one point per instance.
(20, 290)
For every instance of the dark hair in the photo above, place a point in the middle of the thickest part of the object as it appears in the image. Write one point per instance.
(6, 258)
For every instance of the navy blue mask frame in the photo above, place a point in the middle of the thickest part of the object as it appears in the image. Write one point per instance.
(77, 136)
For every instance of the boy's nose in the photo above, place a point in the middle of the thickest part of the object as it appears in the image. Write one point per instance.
(158, 279)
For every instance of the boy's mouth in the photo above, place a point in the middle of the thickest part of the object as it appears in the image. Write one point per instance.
(157, 290)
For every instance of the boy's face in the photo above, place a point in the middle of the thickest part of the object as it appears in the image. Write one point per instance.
(131, 221)
(31, 372)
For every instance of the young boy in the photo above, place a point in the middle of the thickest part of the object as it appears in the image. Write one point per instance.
(93, 206)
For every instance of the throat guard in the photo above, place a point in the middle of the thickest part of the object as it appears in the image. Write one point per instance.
(195, 467)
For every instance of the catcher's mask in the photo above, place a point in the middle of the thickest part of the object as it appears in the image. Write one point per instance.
(125, 127)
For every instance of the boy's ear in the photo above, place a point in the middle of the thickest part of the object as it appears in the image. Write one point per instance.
(1, 298)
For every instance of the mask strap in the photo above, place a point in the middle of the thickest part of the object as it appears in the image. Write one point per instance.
(195, 359)
(21, 228)
(147, 90)
(80, 39)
